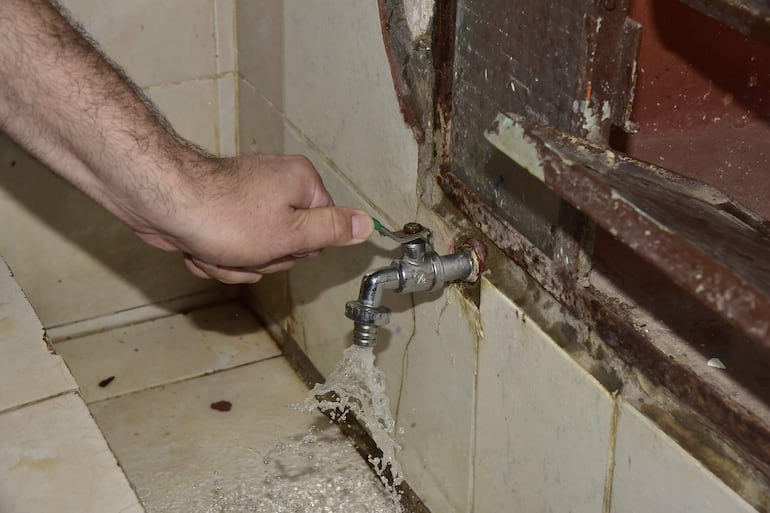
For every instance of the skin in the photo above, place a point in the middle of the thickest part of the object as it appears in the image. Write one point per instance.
(234, 219)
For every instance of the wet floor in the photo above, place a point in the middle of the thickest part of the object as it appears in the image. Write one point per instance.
(197, 413)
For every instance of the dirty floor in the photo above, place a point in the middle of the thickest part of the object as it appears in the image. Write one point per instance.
(196, 408)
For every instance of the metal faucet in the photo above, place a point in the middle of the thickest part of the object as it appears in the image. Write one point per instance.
(420, 269)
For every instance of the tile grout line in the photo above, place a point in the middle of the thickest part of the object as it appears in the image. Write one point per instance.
(474, 437)
(183, 380)
(217, 81)
(182, 304)
(610, 473)
(71, 391)
(215, 76)
(237, 79)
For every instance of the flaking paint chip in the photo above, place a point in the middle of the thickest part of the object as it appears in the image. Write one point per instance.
(716, 363)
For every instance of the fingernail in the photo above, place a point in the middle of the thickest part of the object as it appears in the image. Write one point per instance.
(363, 226)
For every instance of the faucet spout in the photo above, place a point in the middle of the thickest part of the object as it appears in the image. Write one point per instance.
(367, 311)
(419, 270)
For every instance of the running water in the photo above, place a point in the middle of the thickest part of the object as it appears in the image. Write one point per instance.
(316, 472)
(356, 385)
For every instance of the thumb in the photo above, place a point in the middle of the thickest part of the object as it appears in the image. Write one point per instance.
(331, 226)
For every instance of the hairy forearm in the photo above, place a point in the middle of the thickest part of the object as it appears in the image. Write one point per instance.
(68, 106)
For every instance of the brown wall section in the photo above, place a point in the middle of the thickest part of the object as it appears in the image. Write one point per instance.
(702, 101)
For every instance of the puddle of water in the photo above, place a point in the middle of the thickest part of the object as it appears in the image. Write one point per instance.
(317, 473)
(321, 471)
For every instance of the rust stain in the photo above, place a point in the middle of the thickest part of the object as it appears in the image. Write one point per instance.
(221, 406)
(408, 111)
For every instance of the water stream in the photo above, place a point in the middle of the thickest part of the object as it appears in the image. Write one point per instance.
(356, 385)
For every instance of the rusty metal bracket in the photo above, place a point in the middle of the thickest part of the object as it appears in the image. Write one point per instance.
(704, 241)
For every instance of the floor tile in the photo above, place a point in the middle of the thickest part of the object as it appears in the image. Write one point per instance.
(28, 371)
(54, 459)
(153, 353)
(542, 424)
(183, 455)
(156, 42)
(653, 473)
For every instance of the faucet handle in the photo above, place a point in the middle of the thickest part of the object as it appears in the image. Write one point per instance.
(411, 232)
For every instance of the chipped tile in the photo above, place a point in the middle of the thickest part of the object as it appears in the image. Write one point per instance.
(28, 371)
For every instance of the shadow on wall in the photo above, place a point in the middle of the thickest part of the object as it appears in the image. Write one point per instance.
(38, 197)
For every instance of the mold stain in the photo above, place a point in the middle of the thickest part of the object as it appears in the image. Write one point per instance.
(689, 431)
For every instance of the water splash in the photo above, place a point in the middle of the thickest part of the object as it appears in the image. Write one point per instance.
(313, 473)
(356, 385)
(320, 471)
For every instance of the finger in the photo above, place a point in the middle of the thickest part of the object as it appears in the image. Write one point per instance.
(308, 187)
(194, 269)
(280, 264)
(306, 254)
(228, 275)
(318, 228)
(321, 197)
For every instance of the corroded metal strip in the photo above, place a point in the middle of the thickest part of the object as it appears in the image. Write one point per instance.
(636, 207)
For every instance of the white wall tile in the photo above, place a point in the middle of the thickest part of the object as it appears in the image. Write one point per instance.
(543, 423)
(437, 401)
(192, 108)
(28, 371)
(227, 105)
(335, 87)
(54, 459)
(73, 260)
(261, 46)
(653, 473)
(261, 126)
(154, 41)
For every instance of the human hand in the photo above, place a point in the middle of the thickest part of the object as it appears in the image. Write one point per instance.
(244, 217)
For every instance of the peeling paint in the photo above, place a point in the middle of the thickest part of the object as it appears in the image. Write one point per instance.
(511, 140)
(594, 119)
